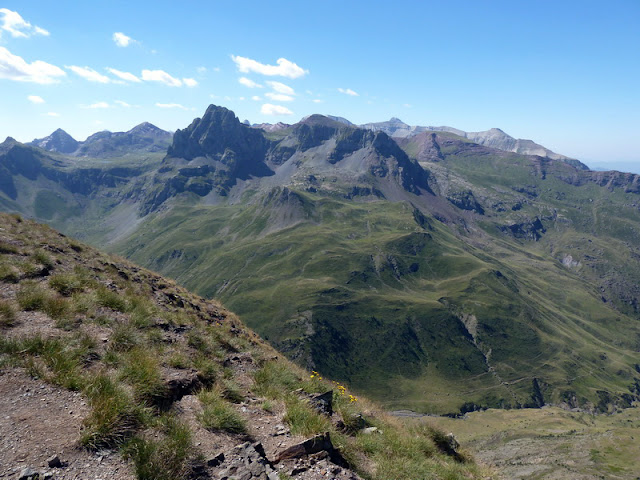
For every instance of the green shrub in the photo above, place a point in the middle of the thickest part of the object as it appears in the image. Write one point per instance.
(218, 414)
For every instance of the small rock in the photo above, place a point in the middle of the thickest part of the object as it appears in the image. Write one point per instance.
(323, 403)
(215, 461)
(54, 462)
(28, 474)
(370, 430)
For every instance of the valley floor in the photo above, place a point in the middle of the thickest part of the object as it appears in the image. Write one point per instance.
(550, 443)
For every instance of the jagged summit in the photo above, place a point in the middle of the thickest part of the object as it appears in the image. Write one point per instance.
(59, 141)
(218, 134)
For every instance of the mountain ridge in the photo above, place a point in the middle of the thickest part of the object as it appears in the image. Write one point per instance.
(423, 260)
(144, 137)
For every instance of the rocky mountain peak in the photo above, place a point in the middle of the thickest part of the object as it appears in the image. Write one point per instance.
(59, 141)
(396, 120)
(146, 128)
(216, 132)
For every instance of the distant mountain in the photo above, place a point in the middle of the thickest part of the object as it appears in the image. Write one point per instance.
(271, 127)
(141, 138)
(59, 141)
(494, 138)
(632, 167)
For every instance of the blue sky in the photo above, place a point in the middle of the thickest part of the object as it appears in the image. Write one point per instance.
(564, 74)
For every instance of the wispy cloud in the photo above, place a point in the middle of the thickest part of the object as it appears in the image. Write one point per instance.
(96, 105)
(35, 99)
(171, 105)
(279, 97)
(51, 114)
(281, 88)
(190, 82)
(88, 74)
(122, 104)
(269, 109)
(348, 91)
(17, 26)
(126, 76)
(122, 40)
(248, 83)
(13, 67)
(256, 98)
(161, 76)
(284, 67)
(317, 100)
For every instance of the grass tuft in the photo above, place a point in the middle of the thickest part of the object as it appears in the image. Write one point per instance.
(65, 284)
(114, 416)
(110, 299)
(168, 456)
(7, 314)
(218, 414)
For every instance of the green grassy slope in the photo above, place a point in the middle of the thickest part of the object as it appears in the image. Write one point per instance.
(378, 294)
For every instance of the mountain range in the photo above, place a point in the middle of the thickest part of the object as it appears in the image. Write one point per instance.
(141, 138)
(434, 269)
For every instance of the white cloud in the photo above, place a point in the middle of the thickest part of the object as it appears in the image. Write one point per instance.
(281, 88)
(13, 67)
(122, 40)
(201, 70)
(17, 26)
(317, 100)
(122, 104)
(160, 76)
(97, 105)
(285, 68)
(88, 74)
(171, 105)
(242, 99)
(190, 82)
(348, 91)
(35, 99)
(248, 83)
(216, 69)
(406, 105)
(126, 76)
(269, 109)
(256, 98)
(279, 97)
(51, 114)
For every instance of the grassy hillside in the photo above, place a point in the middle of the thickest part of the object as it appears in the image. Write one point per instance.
(379, 294)
(170, 379)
